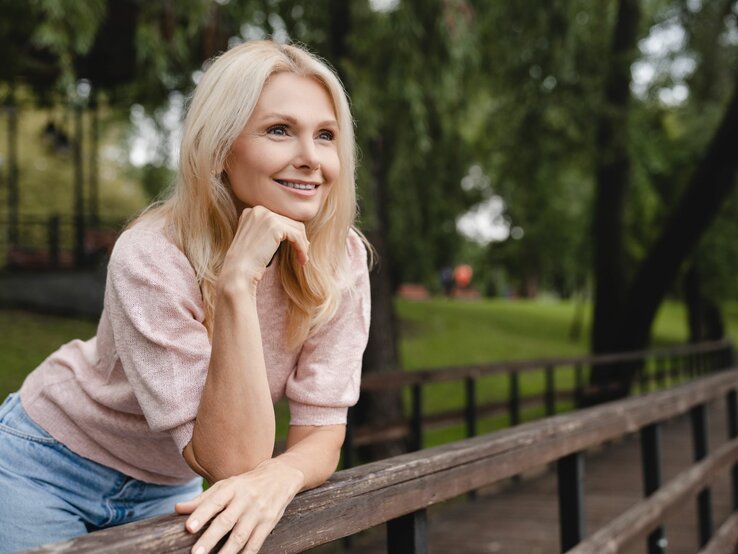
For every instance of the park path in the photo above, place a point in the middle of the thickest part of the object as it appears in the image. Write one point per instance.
(521, 517)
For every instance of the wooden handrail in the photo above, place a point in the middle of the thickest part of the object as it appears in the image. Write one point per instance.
(637, 522)
(725, 539)
(362, 497)
(398, 379)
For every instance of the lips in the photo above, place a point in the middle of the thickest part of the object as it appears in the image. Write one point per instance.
(297, 185)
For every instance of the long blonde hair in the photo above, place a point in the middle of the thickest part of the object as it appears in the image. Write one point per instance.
(200, 210)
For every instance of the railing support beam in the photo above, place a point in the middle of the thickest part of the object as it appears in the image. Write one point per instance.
(570, 472)
(651, 461)
(698, 416)
(408, 534)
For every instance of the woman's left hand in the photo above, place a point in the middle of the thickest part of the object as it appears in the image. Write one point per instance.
(247, 505)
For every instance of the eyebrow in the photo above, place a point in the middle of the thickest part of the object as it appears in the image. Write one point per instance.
(293, 121)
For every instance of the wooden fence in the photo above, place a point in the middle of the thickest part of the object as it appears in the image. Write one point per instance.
(398, 490)
(658, 368)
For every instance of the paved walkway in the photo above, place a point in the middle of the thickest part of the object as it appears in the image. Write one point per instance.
(521, 517)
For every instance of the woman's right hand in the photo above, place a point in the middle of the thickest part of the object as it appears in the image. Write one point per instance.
(258, 236)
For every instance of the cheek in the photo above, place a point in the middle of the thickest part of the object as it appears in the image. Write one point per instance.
(332, 167)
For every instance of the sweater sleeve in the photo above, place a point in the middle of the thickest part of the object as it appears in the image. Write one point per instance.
(156, 312)
(327, 378)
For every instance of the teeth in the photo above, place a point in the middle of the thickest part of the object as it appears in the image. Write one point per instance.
(298, 186)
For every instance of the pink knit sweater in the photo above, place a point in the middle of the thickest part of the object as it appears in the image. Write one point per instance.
(128, 397)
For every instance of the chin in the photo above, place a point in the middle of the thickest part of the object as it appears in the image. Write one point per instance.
(303, 215)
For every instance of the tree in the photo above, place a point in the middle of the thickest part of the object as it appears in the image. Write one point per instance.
(624, 311)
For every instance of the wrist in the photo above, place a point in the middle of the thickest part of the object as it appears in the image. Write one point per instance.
(288, 472)
(237, 289)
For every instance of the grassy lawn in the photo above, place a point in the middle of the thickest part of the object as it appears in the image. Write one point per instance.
(435, 333)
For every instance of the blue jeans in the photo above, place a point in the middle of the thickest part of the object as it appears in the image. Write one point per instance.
(48, 493)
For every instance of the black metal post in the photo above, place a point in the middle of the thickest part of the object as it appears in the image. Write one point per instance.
(732, 409)
(643, 377)
(408, 534)
(53, 238)
(347, 449)
(94, 201)
(13, 194)
(514, 399)
(471, 414)
(570, 473)
(662, 367)
(660, 372)
(79, 207)
(675, 365)
(550, 391)
(471, 406)
(651, 464)
(417, 416)
(698, 416)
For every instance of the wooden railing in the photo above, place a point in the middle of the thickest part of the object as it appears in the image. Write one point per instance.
(398, 490)
(658, 368)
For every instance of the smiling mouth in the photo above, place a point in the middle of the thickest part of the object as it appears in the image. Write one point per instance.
(297, 185)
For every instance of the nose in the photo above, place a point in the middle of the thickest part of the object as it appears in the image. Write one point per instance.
(306, 156)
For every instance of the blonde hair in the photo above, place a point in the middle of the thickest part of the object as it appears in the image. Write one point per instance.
(200, 210)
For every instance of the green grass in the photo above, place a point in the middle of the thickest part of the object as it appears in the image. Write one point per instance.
(442, 332)
(435, 333)
(27, 338)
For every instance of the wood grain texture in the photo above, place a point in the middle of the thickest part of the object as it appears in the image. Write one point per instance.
(364, 496)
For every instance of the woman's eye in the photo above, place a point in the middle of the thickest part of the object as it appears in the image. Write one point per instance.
(279, 130)
(326, 135)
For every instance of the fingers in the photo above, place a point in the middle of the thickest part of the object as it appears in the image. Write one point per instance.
(209, 505)
(300, 245)
(261, 229)
(230, 521)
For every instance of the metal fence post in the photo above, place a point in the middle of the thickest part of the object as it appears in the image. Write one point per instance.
(698, 416)
(651, 465)
(570, 473)
(417, 417)
(408, 534)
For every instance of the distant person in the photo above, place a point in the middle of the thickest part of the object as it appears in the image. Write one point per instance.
(247, 284)
(447, 280)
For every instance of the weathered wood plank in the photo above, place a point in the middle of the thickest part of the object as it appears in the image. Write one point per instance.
(361, 497)
(725, 539)
(637, 522)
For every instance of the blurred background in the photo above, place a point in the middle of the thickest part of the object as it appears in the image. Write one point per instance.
(539, 178)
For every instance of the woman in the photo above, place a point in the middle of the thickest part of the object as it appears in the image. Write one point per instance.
(246, 284)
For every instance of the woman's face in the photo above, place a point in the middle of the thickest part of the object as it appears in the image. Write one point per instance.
(286, 158)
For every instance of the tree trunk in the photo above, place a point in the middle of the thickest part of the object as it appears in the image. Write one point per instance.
(381, 408)
(703, 313)
(613, 179)
(381, 354)
(613, 182)
(709, 186)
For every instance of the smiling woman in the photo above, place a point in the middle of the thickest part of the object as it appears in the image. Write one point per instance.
(247, 284)
(286, 158)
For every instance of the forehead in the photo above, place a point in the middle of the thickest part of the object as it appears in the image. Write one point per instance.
(295, 93)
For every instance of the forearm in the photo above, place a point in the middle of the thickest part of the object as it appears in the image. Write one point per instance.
(234, 428)
(314, 452)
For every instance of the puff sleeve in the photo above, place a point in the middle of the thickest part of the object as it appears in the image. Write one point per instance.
(327, 376)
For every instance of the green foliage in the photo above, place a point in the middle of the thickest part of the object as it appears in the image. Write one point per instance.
(67, 29)
(437, 87)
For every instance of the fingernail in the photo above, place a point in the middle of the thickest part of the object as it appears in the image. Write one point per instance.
(200, 550)
(193, 525)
